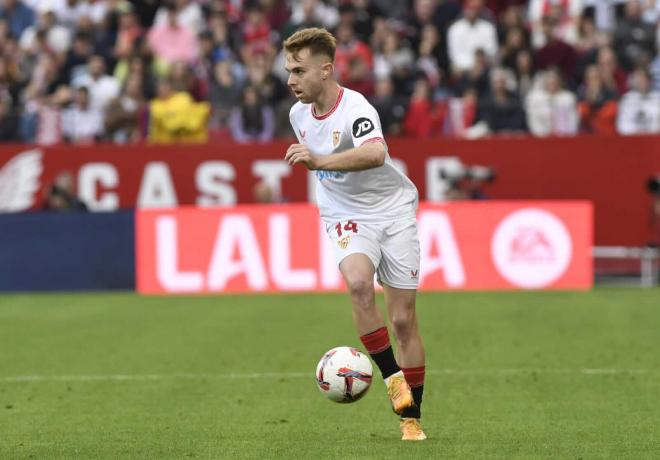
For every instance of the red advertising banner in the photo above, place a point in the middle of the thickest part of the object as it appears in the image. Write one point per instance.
(611, 172)
(464, 246)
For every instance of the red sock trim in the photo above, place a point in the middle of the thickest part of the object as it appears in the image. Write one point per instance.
(376, 341)
(414, 375)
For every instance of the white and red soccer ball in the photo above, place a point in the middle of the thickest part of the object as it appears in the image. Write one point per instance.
(344, 374)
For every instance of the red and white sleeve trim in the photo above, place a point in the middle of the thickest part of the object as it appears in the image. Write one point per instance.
(373, 139)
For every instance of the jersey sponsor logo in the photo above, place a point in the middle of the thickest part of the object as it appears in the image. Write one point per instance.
(322, 175)
(362, 127)
(336, 137)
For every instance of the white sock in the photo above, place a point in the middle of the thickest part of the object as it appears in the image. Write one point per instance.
(398, 374)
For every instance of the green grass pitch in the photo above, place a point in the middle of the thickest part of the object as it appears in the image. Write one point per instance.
(510, 375)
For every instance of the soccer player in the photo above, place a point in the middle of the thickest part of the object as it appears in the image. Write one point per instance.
(369, 211)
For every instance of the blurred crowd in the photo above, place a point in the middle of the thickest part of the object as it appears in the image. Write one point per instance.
(86, 71)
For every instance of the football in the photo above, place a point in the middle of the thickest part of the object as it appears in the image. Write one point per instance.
(344, 374)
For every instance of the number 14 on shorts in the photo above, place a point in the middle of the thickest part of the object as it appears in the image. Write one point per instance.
(348, 226)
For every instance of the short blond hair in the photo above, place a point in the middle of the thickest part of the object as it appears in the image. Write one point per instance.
(318, 41)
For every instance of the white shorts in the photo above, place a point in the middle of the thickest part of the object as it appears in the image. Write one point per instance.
(393, 248)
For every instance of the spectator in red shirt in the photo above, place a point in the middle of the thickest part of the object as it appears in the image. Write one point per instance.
(597, 105)
(498, 6)
(277, 12)
(353, 61)
(256, 34)
(424, 117)
(556, 53)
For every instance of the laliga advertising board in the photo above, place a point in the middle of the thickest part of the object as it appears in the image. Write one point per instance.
(469, 245)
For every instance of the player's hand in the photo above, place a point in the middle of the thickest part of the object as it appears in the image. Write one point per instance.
(299, 153)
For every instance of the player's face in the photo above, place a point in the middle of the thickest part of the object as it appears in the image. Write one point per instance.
(307, 74)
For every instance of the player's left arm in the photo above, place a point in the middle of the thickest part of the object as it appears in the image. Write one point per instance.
(368, 150)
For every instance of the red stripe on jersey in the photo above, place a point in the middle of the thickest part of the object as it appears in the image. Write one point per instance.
(331, 111)
(373, 139)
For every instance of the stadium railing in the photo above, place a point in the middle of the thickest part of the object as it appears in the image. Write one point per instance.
(649, 264)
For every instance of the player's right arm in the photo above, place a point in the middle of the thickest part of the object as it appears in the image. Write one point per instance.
(369, 151)
(367, 156)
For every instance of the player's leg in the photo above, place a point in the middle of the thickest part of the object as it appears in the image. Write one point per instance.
(403, 316)
(410, 349)
(358, 271)
(357, 251)
(398, 273)
(410, 355)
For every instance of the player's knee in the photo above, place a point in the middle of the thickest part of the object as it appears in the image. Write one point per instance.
(361, 291)
(403, 324)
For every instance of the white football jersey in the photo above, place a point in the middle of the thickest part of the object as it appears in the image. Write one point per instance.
(373, 195)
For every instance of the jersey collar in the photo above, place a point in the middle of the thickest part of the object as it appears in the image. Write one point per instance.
(332, 110)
